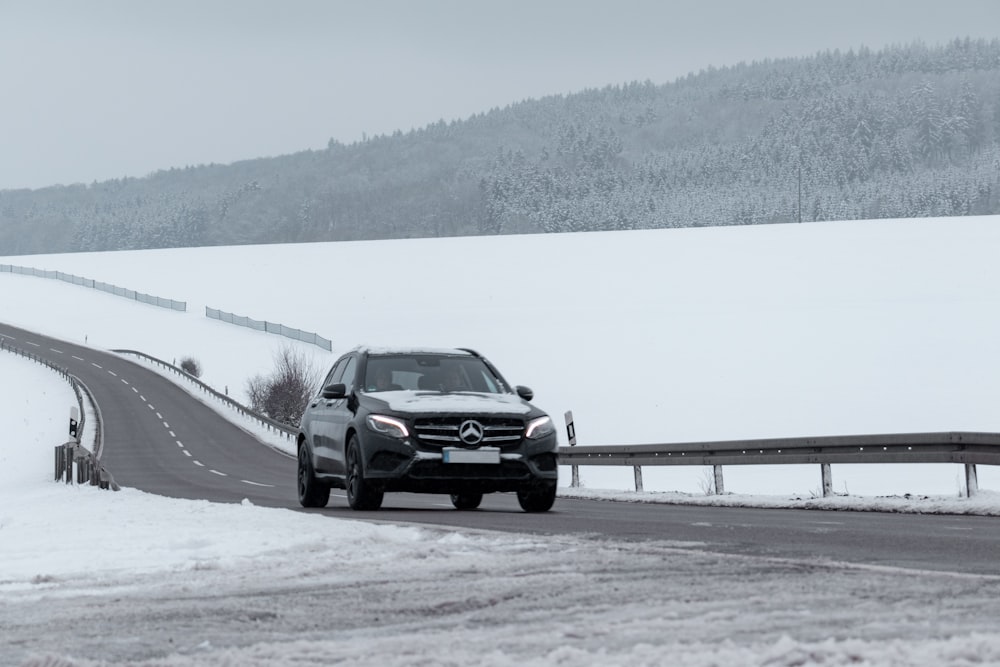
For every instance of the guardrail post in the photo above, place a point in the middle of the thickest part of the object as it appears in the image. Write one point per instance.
(60, 466)
(571, 435)
(971, 480)
(827, 476)
(638, 479)
(68, 449)
(720, 485)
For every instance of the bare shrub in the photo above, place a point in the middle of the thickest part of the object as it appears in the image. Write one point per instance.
(191, 366)
(284, 393)
(707, 481)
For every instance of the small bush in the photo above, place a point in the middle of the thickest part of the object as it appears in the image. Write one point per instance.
(283, 395)
(191, 366)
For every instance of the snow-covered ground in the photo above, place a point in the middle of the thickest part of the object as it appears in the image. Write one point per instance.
(835, 328)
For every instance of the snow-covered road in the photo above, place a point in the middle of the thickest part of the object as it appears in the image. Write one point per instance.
(501, 600)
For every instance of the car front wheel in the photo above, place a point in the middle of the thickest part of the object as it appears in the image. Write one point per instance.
(361, 493)
(538, 499)
(312, 492)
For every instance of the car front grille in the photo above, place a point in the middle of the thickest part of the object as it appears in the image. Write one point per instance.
(443, 431)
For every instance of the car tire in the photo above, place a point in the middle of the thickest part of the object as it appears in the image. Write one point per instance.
(362, 494)
(538, 499)
(466, 501)
(312, 492)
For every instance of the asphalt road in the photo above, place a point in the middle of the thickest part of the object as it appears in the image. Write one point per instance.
(160, 439)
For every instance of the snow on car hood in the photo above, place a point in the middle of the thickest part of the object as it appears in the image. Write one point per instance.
(409, 400)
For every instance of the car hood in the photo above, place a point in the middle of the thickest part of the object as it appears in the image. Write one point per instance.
(423, 402)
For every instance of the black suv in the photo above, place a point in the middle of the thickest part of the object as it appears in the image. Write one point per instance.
(424, 421)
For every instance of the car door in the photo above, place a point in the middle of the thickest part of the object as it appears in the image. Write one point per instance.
(320, 413)
(340, 415)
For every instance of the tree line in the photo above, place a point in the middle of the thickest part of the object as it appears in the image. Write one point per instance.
(906, 131)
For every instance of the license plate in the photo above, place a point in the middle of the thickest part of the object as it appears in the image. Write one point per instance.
(481, 455)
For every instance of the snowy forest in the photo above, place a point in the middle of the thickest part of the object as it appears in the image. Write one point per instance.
(906, 131)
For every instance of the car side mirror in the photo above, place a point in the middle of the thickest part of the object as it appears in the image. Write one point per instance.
(524, 392)
(336, 390)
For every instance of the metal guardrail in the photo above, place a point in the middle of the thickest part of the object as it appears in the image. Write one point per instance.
(968, 448)
(269, 327)
(88, 462)
(265, 421)
(94, 284)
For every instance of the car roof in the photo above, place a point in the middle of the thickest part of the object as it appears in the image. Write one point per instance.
(372, 350)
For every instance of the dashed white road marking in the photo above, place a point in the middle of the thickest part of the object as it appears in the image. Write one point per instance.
(158, 415)
(28, 342)
(247, 481)
(52, 349)
(216, 472)
(198, 463)
(180, 444)
(142, 398)
(167, 426)
(112, 373)
(124, 381)
(188, 454)
(151, 407)
(78, 358)
(136, 391)
(96, 365)
(173, 435)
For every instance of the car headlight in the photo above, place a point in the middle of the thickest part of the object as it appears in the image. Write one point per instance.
(393, 428)
(539, 428)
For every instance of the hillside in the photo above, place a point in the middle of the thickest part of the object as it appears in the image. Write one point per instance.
(907, 131)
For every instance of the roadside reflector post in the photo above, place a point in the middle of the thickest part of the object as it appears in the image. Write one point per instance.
(971, 480)
(720, 484)
(571, 436)
(638, 479)
(827, 479)
(74, 422)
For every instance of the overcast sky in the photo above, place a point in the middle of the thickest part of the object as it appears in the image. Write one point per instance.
(99, 89)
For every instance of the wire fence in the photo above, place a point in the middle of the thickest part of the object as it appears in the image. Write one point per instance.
(270, 327)
(212, 313)
(95, 284)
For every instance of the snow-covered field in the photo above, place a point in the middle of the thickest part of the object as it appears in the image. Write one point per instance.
(834, 328)
(646, 336)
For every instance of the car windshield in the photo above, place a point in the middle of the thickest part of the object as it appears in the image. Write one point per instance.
(430, 372)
